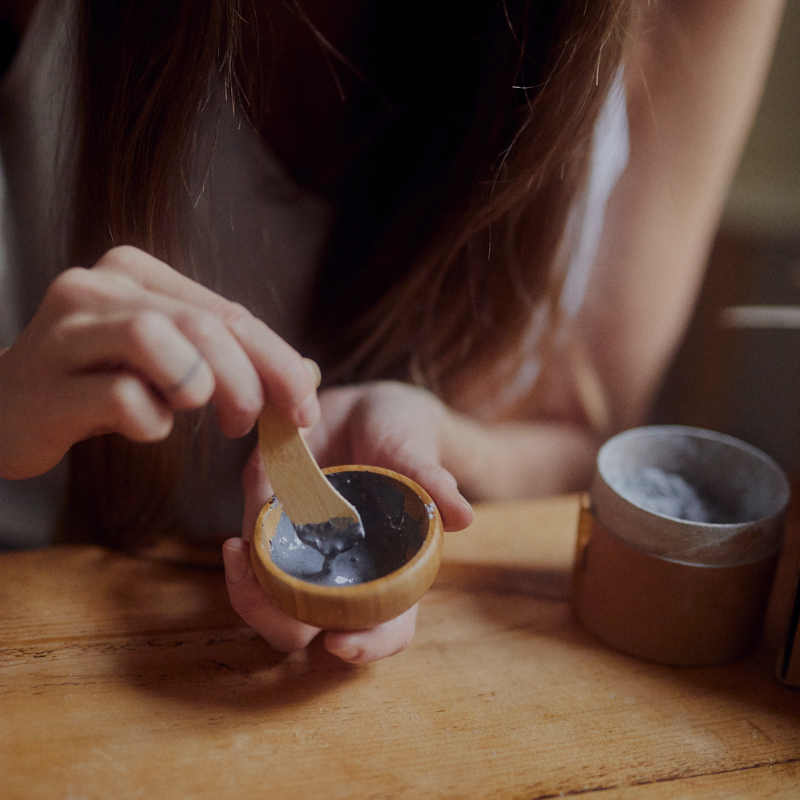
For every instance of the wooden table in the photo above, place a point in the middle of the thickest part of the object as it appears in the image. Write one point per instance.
(122, 678)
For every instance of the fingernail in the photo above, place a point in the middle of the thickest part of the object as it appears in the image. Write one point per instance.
(314, 369)
(463, 500)
(235, 554)
(308, 413)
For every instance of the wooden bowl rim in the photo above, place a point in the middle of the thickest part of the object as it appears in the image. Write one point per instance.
(427, 550)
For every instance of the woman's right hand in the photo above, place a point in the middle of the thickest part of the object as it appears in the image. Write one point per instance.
(122, 346)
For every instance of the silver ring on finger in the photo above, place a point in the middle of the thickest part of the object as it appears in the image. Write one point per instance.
(190, 374)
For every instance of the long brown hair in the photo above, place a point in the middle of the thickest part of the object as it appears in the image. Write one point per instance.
(455, 214)
(448, 220)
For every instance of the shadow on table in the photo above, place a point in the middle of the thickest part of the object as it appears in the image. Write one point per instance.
(540, 582)
(184, 641)
(537, 602)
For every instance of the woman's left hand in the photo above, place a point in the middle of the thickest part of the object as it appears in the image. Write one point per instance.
(384, 424)
(396, 426)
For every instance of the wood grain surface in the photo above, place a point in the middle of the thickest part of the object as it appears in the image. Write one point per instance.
(122, 678)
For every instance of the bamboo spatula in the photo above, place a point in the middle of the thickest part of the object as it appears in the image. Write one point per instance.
(320, 515)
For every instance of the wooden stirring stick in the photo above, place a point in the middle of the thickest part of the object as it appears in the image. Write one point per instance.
(321, 516)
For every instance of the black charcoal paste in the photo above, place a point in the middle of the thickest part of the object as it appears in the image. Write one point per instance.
(391, 538)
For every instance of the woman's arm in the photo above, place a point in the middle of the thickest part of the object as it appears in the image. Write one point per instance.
(693, 83)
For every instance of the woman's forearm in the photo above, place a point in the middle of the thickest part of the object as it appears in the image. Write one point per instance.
(515, 460)
(693, 86)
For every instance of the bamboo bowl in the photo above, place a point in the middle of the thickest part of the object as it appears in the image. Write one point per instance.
(403, 540)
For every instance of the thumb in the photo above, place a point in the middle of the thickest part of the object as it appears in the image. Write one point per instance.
(417, 457)
(440, 484)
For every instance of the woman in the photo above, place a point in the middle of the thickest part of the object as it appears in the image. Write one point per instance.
(486, 222)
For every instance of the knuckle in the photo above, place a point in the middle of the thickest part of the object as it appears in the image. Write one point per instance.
(244, 603)
(131, 263)
(289, 638)
(236, 316)
(72, 288)
(203, 326)
(125, 257)
(146, 330)
(393, 444)
(247, 405)
(78, 288)
(251, 605)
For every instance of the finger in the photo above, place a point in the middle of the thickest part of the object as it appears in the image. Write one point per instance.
(108, 292)
(255, 607)
(363, 647)
(418, 459)
(238, 394)
(116, 402)
(90, 405)
(399, 427)
(313, 368)
(289, 382)
(247, 359)
(455, 510)
(145, 342)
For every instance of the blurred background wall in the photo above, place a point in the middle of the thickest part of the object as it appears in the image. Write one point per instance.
(747, 381)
